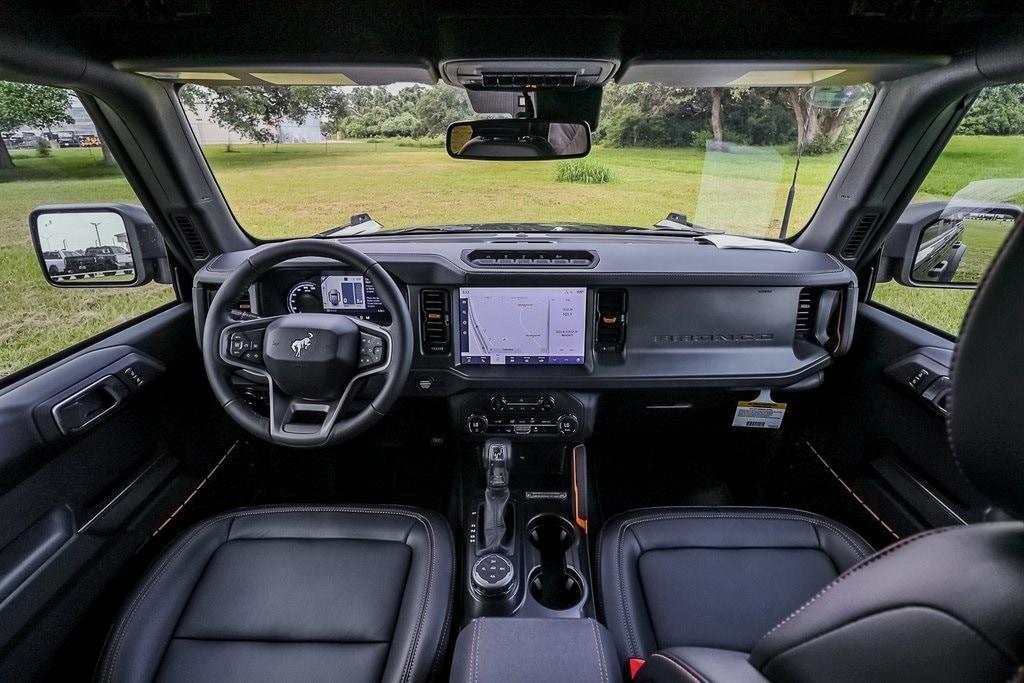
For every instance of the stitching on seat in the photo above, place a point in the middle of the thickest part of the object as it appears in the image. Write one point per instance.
(662, 515)
(122, 629)
(411, 656)
(474, 661)
(688, 671)
(597, 651)
(443, 644)
(852, 570)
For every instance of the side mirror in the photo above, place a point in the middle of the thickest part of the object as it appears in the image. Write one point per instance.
(98, 245)
(935, 244)
(517, 139)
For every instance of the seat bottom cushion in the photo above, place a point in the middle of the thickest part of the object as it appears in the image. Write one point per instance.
(714, 577)
(297, 594)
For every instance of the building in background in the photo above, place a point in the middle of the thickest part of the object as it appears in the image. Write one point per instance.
(206, 129)
(83, 125)
(209, 132)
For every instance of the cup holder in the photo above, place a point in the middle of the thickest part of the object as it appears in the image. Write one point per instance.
(553, 584)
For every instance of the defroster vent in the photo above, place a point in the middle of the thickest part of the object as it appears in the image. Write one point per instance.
(193, 241)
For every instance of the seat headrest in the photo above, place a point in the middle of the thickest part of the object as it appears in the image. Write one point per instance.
(986, 422)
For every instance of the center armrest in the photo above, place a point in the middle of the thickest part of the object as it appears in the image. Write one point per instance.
(511, 650)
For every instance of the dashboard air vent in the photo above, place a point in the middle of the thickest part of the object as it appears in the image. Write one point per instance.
(244, 303)
(805, 309)
(865, 224)
(187, 230)
(435, 322)
(530, 258)
(610, 334)
(241, 309)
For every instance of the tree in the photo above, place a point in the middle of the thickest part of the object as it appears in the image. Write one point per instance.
(818, 129)
(415, 110)
(400, 125)
(716, 115)
(806, 117)
(439, 106)
(998, 110)
(26, 105)
(256, 112)
(652, 114)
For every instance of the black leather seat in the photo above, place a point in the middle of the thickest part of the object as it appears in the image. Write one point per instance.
(714, 577)
(944, 605)
(292, 594)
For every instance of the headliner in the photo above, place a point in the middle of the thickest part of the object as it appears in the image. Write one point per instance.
(130, 34)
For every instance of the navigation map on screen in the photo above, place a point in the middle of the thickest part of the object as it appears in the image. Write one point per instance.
(522, 325)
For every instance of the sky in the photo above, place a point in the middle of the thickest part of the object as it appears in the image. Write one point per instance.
(76, 231)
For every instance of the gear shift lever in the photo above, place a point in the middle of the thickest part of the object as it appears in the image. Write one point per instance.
(497, 457)
(493, 574)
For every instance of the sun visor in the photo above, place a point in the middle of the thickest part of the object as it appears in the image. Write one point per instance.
(276, 74)
(742, 74)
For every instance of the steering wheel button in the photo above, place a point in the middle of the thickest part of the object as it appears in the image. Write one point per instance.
(238, 344)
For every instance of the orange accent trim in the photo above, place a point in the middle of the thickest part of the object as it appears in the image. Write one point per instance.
(580, 522)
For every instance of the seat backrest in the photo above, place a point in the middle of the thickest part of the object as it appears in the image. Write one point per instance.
(947, 604)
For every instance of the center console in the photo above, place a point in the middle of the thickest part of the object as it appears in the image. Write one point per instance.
(525, 546)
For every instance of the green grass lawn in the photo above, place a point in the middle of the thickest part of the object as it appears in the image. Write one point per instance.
(36, 319)
(299, 189)
(293, 190)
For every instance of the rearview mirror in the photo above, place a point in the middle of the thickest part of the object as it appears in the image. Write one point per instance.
(834, 97)
(98, 245)
(517, 139)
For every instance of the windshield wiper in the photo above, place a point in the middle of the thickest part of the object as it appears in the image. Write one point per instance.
(358, 224)
(435, 229)
(676, 224)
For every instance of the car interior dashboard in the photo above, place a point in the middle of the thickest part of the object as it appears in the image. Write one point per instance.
(579, 311)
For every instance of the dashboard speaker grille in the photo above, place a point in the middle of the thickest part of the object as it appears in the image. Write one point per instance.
(435, 322)
(193, 241)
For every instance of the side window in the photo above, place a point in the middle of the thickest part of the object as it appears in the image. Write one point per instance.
(963, 211)
(51, 153)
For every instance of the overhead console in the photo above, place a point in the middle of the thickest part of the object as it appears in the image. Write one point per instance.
(527, 74)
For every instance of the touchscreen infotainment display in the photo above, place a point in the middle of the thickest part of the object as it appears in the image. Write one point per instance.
(522, 325)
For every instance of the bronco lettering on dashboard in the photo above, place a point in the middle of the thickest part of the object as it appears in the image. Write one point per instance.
(711, 338)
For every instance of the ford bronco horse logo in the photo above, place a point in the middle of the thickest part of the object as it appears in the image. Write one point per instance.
(299, 345)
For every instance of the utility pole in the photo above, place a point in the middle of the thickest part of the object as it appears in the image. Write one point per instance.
(96, 227)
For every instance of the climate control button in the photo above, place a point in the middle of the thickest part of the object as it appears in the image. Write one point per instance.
(476, 424)
(568, 424)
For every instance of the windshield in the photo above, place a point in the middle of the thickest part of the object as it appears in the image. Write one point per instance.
(299, 160)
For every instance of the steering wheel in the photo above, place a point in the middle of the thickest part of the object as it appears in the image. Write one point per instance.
(312, 362)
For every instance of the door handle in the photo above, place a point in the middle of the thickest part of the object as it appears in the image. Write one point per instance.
(83, 408)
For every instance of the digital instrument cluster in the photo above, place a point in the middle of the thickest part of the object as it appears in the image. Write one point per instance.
(337, 292)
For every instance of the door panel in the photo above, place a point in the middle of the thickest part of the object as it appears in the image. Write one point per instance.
(880, 426)
(83, 486)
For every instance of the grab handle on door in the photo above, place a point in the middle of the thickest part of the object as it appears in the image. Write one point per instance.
(83, 408)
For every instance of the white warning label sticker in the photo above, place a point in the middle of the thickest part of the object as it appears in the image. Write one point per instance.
(761, 413)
